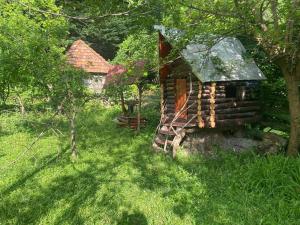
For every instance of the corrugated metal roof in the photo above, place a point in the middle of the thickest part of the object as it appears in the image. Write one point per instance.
(82, 56)
(216, 59)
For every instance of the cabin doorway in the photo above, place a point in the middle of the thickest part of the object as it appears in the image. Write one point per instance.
(180, 100)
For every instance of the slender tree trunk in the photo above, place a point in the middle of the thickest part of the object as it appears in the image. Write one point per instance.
(73, 134)
(123, 103)
(72, 117)
(21, 104)
(139, 108)
(294, 108)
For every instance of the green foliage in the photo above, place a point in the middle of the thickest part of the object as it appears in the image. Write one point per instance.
(138, 54)
(32, 45)
(120, 180)
(140, 46)
(273, 91)
(109, 23)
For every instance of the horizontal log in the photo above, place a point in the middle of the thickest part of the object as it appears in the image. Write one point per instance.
(206, 96)
(192, 97)
(232, 104)
(192, 102)
(235, 115)
(208, 88)
(192, 110)
(172, 101)
(235, 122)
(217, 91)
(233, 110)
(238, 109)
(170, 93)
(217, 100)
(170, 106)
(169, 88)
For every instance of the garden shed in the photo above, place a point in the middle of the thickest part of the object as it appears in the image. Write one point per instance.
(82, 56)
(211, 83)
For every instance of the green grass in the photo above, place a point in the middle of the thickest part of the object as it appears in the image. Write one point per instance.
(118, 179)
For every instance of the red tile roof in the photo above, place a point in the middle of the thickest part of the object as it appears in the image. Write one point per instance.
(82, 56)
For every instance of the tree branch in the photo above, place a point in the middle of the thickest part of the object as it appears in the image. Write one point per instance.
(274, 9)
(213, 13)
(48, 12)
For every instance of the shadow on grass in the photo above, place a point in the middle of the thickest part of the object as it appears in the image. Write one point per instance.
(135, 218)
(29, 201)
(50, 160)
(92, 190)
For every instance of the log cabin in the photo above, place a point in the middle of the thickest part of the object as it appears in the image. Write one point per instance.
(210, 84)
(82, 56)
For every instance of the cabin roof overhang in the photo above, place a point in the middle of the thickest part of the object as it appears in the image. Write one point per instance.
(213, 58)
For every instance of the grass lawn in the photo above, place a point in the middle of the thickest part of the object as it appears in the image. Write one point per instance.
(118, 179)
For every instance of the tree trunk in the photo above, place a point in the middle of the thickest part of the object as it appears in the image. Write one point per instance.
(73, 134)
(294, 108)
(21, 104)
(72, 117)
(123, 103)
(139, 108)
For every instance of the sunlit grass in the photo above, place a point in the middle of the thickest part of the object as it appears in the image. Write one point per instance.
(118, 179)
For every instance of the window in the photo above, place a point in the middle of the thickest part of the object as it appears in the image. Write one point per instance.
(230, 91)
(238, 92)
(241, 93)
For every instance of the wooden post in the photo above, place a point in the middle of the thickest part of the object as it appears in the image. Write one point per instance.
(201, 123)
(140, 87)
(124, 110)
(212, 101)
(162, 99)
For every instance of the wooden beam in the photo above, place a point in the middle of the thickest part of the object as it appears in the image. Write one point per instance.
(201, 123)
(212, 100)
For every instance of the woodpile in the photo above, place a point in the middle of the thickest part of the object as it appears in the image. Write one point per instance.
(130, 121)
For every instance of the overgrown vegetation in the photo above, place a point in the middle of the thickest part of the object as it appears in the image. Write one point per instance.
(119, 180)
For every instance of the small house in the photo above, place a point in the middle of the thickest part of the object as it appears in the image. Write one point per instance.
(82, 56)
(211, 83)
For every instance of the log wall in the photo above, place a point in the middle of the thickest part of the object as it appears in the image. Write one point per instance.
(208, 104)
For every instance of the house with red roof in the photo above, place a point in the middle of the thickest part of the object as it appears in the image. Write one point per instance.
(82, 56)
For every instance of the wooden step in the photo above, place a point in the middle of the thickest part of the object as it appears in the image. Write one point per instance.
(161, 142)
(166, 132)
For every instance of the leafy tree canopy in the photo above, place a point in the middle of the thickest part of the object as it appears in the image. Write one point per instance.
(32, 44)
